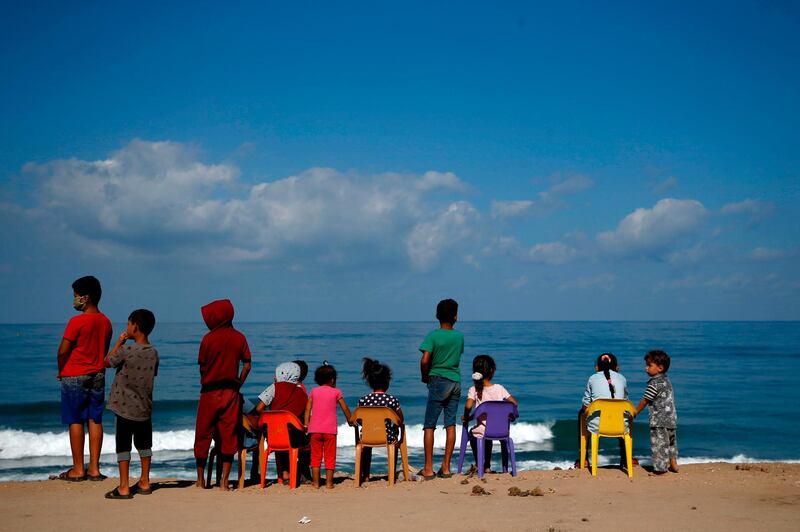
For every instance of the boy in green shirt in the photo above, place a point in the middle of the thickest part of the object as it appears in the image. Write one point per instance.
(441, 356)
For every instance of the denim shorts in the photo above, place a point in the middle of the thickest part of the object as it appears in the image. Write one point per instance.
(443, 394)
(83, 398)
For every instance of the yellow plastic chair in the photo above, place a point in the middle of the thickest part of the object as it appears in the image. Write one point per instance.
(373, 434)
(612, 425)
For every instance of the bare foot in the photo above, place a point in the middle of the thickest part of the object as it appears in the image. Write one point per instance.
(329, 486)
(200, 484)
(673, 469)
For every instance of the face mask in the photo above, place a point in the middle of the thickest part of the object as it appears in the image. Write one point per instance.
(78, 302)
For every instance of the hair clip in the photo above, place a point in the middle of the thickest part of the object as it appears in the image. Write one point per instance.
(477, 376)
(325, 363)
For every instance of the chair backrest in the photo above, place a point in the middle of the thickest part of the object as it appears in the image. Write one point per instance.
(373, 423)
(612, 415)
(499, 415)
(276, 424)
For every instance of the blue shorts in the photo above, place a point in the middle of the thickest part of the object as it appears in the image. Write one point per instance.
(443, 394)
(83, 398)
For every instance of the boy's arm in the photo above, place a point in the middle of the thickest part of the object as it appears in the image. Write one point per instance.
(642, 405)
(245, 371)
(345, 410)
(307, 414)
(64, 351)
(425, 365)
(650, 393)
(110, 362)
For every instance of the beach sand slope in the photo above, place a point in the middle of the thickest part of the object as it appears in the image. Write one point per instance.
(700, 497)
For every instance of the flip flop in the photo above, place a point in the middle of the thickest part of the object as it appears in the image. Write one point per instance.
(443, 475)
(67, 477)
(115, 494)
(425, 477)
(140, 491)
(96, 478)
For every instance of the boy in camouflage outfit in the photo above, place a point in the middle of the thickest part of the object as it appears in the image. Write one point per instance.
(663, 417)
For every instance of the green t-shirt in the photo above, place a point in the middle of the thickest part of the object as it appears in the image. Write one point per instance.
(445, 347)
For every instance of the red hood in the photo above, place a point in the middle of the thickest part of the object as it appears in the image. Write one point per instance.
(218, 313)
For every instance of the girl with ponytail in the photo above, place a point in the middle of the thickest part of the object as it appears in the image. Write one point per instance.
(606, 383)
(482, 389)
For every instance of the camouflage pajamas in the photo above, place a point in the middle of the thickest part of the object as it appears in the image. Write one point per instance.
(663, 445)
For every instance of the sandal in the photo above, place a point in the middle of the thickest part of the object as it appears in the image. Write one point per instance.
(96, 478)
(443, 475)
(67, 477)
(141, 491)
(425, 477)
(115, 494)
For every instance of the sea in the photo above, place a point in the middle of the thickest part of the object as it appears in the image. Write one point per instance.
(734, 385)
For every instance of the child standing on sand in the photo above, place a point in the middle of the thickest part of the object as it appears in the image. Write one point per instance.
(219, 411)
(606, 383)
(483, 369)
(81, 370)
(378, 376)
(131, 399)
(320, 418)
(439, 366)
(663, 417)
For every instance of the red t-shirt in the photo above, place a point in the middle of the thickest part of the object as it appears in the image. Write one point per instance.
(290, 397)
(220, 353)
(91, 334)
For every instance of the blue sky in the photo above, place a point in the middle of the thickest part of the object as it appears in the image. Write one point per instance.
(319, 161)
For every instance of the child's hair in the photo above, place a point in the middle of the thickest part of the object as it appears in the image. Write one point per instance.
(483, 367)
(144, 319)
(303, 369)
(88, 286)
(325, 374)
(659, 358)
(377, 375)
(605, 363)
(446, 311)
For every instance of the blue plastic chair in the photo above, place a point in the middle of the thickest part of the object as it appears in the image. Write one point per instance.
(499, 415)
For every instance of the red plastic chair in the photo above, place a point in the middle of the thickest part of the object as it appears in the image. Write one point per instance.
(276, 426)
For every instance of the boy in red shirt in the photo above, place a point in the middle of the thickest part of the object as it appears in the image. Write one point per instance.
(220, 409)
(81, 370)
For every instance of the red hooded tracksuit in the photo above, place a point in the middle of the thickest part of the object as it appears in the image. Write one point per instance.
(219, 410)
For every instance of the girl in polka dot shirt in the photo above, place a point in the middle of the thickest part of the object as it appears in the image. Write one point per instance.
(378, 376)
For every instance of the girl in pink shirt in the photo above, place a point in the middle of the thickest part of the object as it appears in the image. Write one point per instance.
(320, 418)
(483, 368)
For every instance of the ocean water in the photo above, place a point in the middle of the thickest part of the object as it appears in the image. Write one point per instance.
(734, 386)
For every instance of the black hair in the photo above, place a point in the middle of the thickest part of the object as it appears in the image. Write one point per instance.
(88, 286)
(606, 363)
(325, 374)
(447, 310)
(483, 364)
(144, 319)
(377, 375)
(303, 369)
(659, 358)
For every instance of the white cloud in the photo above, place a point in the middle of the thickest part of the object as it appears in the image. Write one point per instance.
(547, 201)
(766, 254)
(692, 255)
(756, 209)
(655, 229)
(553, 253)
(510, 209)
(160, 197)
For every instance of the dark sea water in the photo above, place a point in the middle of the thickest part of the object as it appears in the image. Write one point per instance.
(734, 385)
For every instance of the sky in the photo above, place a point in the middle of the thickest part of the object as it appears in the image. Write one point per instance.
(332, 161)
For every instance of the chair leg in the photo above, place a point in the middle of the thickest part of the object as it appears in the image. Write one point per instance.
(264, 458)
(242, 464)
(583, 451)
(481, 445)
(512, 455)
(595, 445)
(504, 455)
(404, 456)
(464, 440)
(582, 436)
(629, 454)
(390, 452)
(294, 454)
(358, 465)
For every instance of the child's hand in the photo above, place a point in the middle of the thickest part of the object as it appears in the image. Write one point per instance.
(123, 337)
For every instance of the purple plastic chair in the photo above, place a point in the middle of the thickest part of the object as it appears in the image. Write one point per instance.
(499, 415)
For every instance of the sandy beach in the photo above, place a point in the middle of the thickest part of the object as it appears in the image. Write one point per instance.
(718, 496)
